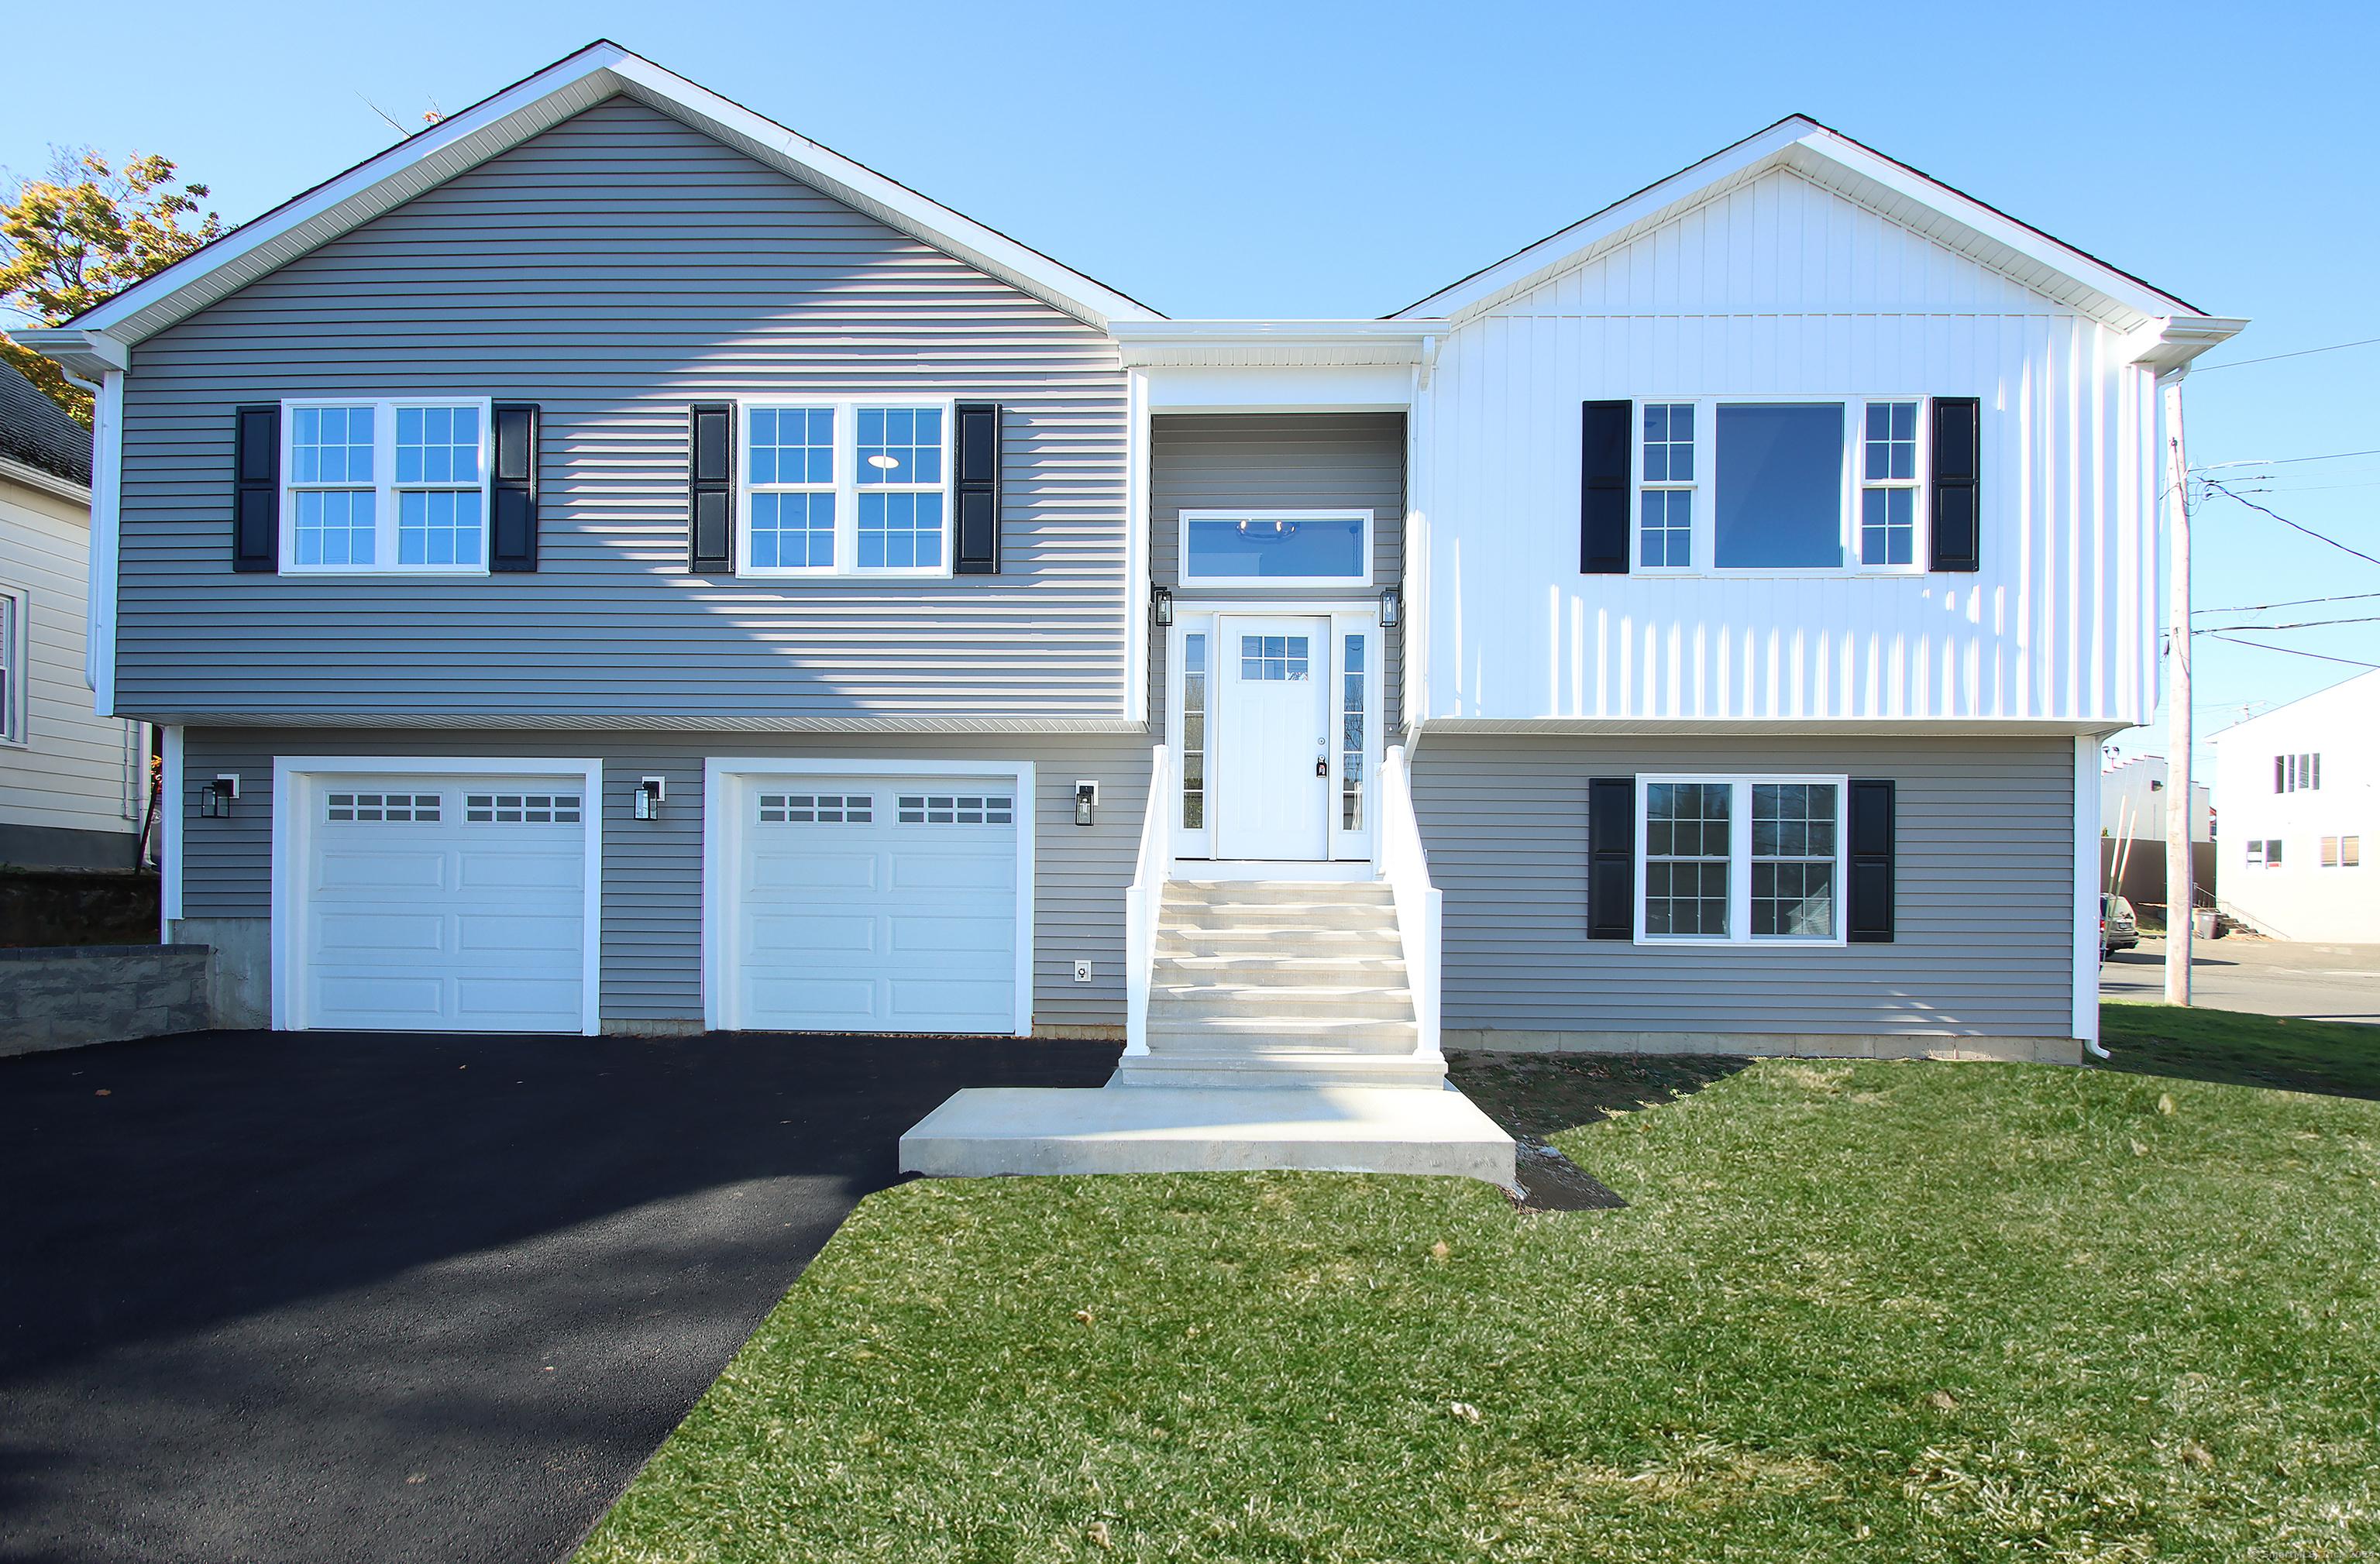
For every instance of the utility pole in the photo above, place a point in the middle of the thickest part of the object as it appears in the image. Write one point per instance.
(2180, 888)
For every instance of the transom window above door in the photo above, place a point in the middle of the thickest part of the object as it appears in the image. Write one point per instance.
(1276, 548)
(847, 488)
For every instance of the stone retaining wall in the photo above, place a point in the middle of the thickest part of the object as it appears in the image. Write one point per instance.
(62, 995)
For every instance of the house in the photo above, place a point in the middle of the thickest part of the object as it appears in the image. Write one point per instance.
(72, 784)
(608, 563)
(2132, 825)
(2299, 804)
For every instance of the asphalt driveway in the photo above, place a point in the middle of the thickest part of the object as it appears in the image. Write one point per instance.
(330, 1297)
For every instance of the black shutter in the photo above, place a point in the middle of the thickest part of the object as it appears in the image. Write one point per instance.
(1611, 856)
(710, 498)
(977, 552)
(514, 544)
(1958, 469)
(256, 487)
(1604, 449)
(1873, 806)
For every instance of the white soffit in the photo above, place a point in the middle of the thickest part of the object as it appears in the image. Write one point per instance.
(569, 86)
(1240, 344)
(1835, 162)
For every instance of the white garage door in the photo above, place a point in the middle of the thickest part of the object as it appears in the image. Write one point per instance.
(882, 904)
(444, 904)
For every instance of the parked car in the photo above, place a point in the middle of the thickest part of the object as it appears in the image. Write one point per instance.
(2118, 930)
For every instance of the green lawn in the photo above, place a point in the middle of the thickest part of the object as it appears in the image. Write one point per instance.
(2342, 1057)
(1875, 1310)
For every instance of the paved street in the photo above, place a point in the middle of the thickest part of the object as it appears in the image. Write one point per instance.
(314, 1298)
(2294, 978)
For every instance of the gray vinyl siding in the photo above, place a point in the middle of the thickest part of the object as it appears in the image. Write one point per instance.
(652, 871)
(1985, 898)
(1279, 461)
(611, 270)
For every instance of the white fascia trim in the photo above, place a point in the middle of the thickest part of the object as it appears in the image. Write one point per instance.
(106, 488)
(86, 353)
(1158, 344)
(48, 483)
(2095, 728)
(290, 836)
(1137, 535)
(722, 827)
(568, 87)
(1834, 162)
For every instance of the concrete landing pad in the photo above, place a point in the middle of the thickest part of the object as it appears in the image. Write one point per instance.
(992, 1130)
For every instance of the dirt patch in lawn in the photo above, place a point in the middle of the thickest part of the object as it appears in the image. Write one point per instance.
(1532, 1095)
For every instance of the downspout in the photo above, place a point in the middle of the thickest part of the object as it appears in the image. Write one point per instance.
(106, 489)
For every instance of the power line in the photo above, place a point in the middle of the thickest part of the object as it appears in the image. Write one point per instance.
(2284, 521)
(2301, 624)
(2321, 657)
(2284, 461)
(2293, 603)
(2277, 358)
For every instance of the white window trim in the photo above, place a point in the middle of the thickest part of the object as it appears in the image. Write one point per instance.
(846, 487)
(1738, 876)
(297, 779)
(1704, 486)
(384, 486)
(723, 824)
(1302, 583)
(15, 646)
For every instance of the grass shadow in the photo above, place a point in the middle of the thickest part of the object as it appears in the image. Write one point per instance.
(2330, 1058)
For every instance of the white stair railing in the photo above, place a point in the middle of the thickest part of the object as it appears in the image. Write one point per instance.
(1144, 904)
(1420, 915)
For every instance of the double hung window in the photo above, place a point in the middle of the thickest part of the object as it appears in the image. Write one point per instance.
(2297, 773)
(2265, 854)
(1740, 859)
(394, 485)
(2342, 851)
(1781, 485)
(12, 666)
(847, 488)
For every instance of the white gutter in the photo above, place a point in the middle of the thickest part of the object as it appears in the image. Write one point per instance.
(106, 488)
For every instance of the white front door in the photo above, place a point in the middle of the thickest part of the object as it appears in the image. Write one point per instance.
(1273, 758)
(877, 903)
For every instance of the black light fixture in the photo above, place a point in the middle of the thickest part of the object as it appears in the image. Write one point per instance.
(646, 804)
(214, 798)
(1392, 607)
(1160, 606)
(1087, 795)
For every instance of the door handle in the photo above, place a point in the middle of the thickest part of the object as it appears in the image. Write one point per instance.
(1321, 766)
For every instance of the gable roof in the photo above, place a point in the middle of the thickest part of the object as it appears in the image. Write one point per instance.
(37, 433)
(1858, 174)
(497, 123)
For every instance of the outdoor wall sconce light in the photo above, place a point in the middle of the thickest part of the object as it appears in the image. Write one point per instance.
(646, 803)
(1160, 606)
(1086, 798)
(214, 798)
(1392, 607)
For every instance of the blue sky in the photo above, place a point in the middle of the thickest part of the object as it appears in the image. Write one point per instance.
(1313, 159)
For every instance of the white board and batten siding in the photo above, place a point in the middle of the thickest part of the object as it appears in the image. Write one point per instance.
(613, 270)
(1782, 289)
(66, 768)
(651, 932)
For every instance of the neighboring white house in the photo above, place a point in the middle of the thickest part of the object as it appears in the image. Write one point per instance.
(70, 782)
(2132, 796)
(2299, 814)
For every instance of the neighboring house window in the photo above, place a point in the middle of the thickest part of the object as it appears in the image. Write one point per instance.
(395, 485)
(1781, 485)
(2297, 773)
(1276, 548)
(847, 488)
(1665, 505)
(12, 666)
(2342, 851)
(1740, 859)
(2264, 854)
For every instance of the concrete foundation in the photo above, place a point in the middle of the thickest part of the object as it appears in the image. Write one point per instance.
(239, 980)
(1776, 1045)
(998, 1129)
(62, 997)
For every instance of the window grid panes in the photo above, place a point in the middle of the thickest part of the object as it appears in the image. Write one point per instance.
(955, 810)
(436, 473)
(1887, 530)
(334, 525)
(1351, 736)
(1688, 832)
(383, 808)
(1268, 659)
(1794, 831)
(387, 486)
(818, 808)
(521, 808)
(1194, 733)
(847, 488)
(1666, 503)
